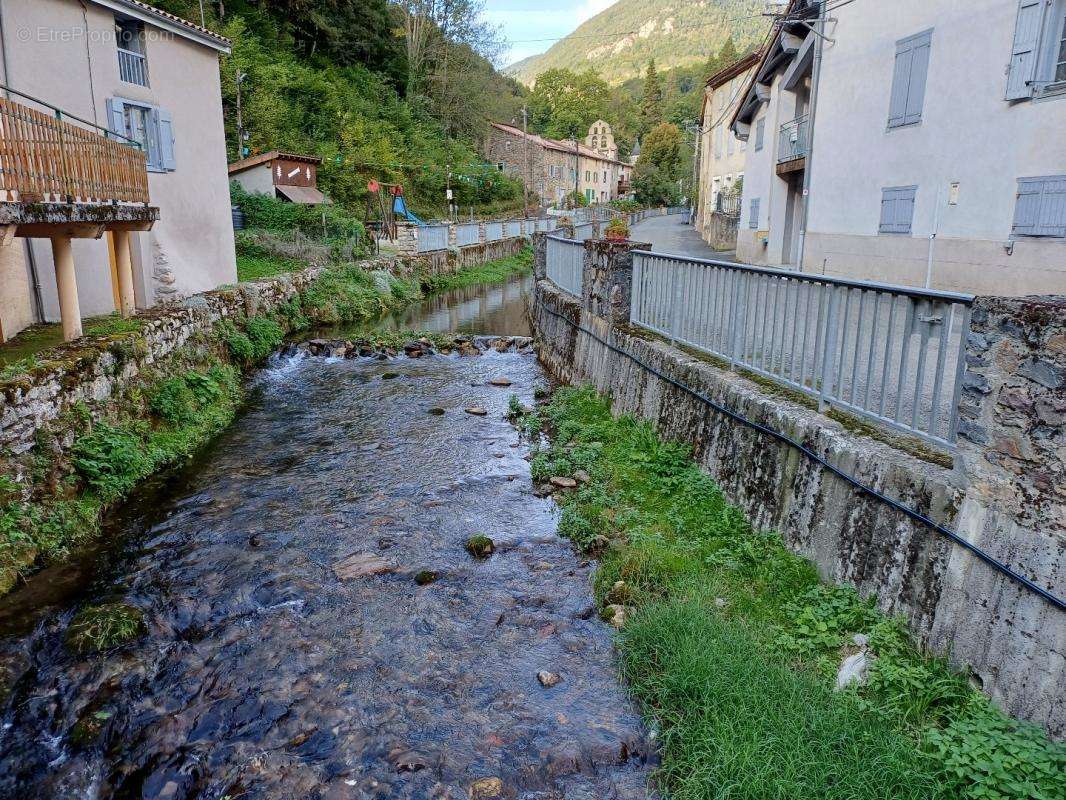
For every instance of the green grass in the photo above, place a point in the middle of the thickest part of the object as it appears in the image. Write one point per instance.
(492, 272)
(19, 354)
(254, 268)
(734, 643)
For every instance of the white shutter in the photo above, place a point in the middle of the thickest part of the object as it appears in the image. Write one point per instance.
(1025, 52)
(166, 141)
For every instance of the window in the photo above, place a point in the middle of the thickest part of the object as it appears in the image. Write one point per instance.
(588, 176)
(718, 142)
(908, 79)
(729, 143)
(129, 41)
(1041, 207)
(149, 125)
(753, 215)
(760, 134)
(500, 166)
(897, 209)
(1038, 56)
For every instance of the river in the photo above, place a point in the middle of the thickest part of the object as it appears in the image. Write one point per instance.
(270, 669)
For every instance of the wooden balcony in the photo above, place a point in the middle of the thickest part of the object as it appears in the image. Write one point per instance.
(63, 178)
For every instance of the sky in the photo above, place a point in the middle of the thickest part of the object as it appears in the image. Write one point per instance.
(548, 20)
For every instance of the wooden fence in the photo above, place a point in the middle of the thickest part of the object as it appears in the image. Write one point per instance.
(45, 158)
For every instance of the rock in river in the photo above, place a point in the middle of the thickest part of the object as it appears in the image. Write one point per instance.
(359, 565)
(477, 411)
(548, 679)
(486, 789)
(500, 381)
(480, 546)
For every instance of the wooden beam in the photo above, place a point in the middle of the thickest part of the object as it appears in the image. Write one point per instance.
(77, 230)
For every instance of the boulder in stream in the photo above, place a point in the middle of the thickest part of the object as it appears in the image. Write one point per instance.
(359, 565)
(480, 546)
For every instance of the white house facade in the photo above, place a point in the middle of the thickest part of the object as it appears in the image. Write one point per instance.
(937, 148)
(129, 68)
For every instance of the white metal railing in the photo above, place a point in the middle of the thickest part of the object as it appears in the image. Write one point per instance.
(432, 237)
(583, 232)
(792, 140)
(512, 229)
(467, 234)
(565, 263)
(894, 354)
(493, 231)
(132, 67)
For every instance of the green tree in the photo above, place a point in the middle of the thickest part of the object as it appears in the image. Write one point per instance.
(651, 106)
(564, 104)
(659, 166)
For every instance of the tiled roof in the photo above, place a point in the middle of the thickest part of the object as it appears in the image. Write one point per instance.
(184, 23)
(555, 144)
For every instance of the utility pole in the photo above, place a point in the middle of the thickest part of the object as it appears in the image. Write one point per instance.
(241, 76)
(529, 158)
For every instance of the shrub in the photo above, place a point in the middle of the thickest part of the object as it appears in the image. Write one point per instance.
(173, 400)
(112, 459)
(265, 335)
(325, 222)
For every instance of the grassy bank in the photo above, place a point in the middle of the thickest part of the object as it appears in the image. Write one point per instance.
(52, 498)
(731, 644)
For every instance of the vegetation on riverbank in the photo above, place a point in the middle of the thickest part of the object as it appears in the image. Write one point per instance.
(52, 498)
(731, 643)
(492, 272)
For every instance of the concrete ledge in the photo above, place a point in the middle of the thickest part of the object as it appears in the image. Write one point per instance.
(956, 605)
(75, 214)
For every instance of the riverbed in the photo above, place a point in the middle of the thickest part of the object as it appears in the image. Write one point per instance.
(316, 628)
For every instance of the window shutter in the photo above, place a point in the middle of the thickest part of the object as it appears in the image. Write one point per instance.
(1027, 206)
(116, 119)
(166, 141)
(1053, 207)
(897, 108)
(1041, 207)
(760, 133)
(1023, 58)
(897, 209)
(753, 218)
(919, 72)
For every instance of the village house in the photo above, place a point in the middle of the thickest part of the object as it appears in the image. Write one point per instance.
(915, 176)
(554, 169)
(722, 154)
(285, 176)
(138, 179)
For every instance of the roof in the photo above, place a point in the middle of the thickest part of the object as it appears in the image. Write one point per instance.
(734, 69)
(303, 194)
(265, 158)
(164, 19)
(555, 144)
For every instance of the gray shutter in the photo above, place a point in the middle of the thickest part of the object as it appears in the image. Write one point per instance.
(1040, 209)
(897, 209)
(1024, 53)
(753, 217)
(1053, 207)
(760, 133)
(908, 79)
(166, 141)
(897, 106)
(116, 119)
(1027, 207)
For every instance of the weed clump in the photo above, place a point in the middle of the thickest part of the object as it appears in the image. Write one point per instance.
(104, 626)
(480, 546)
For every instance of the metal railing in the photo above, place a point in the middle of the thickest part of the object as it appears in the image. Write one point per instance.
(792, 140)
(467, 234)
(132, 67)
(565, 259)
(893, 354)
(583, 232)
(433, 237)
(512, 229)
(493, 231)
(53, 156)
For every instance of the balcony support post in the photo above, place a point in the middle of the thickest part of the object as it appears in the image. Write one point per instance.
(124, 265)
(67, 286)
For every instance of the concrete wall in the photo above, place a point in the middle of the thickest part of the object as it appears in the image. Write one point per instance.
(956, 605)
(66, 56)
(257, 180)
(968, 134)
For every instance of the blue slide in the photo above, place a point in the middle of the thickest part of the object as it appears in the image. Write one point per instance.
(400, 209)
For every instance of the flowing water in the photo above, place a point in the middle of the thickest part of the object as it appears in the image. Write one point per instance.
(272, 668)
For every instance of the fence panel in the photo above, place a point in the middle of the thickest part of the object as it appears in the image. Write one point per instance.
(493, 231)
(432, 237)
(893, 354)
(565, 263)
(583, 232)
(467, 234)
(512, 229)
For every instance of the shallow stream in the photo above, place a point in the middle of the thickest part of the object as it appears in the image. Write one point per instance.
(275, 667)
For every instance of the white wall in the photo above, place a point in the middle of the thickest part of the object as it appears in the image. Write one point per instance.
(257, 180)
(51, 54)
(968, 134)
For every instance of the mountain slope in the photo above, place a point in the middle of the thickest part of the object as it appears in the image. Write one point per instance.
(619, 41)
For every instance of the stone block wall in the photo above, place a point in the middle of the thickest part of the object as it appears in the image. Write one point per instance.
(1011, 640)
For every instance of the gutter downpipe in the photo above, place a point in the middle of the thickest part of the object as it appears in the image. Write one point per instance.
(31, 260)
(817, 72)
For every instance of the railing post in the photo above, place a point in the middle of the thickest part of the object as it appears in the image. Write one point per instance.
(829, 353)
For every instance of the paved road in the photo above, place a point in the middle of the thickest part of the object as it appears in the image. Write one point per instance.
(671, 234)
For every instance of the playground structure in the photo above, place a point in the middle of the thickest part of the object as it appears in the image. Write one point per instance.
(382, 214)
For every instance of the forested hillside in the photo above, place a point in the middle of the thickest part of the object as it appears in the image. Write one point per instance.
(619, 42)
(372, 88)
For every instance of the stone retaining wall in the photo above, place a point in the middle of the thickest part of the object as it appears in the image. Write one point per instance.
(956, 605)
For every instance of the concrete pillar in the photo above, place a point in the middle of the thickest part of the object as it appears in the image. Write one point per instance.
(67, 286)
(607, 278)
(127, 304)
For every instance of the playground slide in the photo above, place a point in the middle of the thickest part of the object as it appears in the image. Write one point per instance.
(399, 207)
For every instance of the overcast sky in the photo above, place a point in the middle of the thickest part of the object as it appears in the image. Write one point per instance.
(546, 20)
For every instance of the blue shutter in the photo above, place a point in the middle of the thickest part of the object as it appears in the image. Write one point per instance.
(166, 141)
(1024, 53)
(753, 217)
(897, 209)
(116, 118)
(760, 133)
(1053, 207)
(909, 78)
(1027, 206)
(1040, 209)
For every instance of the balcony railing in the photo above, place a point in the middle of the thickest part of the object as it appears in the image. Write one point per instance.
(52, 156)
(792, 140)
(132, 67)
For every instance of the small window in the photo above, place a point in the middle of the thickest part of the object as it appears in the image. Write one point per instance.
(129, 41)
(897, 209)
(500, 165)
(753, 216)
(760, 134)
(908, 79)
(151, 127)
(1040, 208)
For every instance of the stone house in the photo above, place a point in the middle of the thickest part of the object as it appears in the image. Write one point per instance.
(915, 176)
(114, 72)
(721, 153)
(554, 169)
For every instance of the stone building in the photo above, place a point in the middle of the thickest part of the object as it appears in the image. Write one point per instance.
(553, 169)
